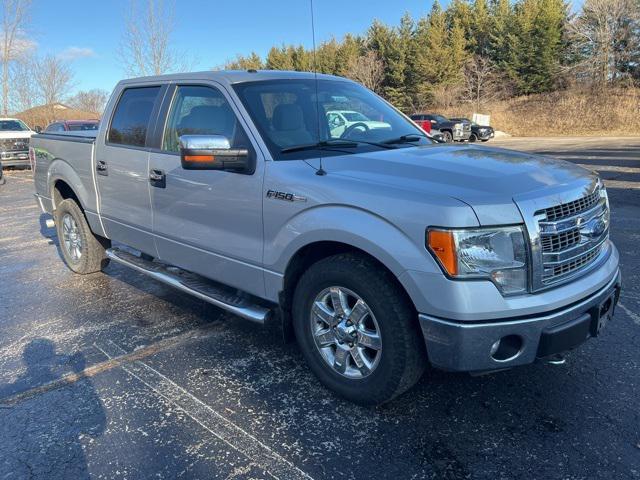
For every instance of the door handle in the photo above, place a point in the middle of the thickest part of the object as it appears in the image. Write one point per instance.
(101, 168)
(157, 178)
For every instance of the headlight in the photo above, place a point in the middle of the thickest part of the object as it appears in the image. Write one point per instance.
(496, 254)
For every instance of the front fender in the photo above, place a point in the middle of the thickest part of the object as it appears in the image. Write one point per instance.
(359, 228)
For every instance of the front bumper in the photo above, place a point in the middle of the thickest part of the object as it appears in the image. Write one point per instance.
(466, 346)
(484, 135)
(15, 158)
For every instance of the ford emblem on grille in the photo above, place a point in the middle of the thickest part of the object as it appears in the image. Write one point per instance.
(593, 228)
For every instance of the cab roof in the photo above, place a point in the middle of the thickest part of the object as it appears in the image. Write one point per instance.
(232, 76)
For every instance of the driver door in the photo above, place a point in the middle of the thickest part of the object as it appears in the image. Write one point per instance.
(208, 221)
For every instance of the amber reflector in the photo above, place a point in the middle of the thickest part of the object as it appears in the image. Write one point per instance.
(443, 246)
(200, 158)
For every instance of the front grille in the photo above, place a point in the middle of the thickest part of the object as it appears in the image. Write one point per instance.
(572, 208)
(560, 241)
(572, 235)
(573, 265)
(14, 144)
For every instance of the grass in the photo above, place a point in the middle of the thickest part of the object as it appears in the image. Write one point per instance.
(570, 112)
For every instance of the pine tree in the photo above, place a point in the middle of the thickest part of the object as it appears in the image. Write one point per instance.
(279, 59)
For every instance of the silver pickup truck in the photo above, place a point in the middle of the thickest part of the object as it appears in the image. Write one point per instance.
(380, 249)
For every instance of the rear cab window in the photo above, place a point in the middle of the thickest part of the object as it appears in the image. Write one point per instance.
(131, 118)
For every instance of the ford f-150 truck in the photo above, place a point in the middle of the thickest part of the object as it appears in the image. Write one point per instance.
(14, 142)
(380, 249)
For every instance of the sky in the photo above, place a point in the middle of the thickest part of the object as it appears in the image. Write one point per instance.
(88, 32)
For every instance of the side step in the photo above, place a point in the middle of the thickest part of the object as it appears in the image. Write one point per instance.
(221, 296)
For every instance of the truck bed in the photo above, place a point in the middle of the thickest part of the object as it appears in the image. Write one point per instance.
(68, 156)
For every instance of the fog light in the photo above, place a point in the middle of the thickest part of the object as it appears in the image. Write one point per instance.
(507, 348)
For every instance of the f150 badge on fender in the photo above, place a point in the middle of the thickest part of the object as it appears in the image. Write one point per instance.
(289, 197)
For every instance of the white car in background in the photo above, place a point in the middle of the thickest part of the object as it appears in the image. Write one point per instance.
(14, 142)
(341, 120)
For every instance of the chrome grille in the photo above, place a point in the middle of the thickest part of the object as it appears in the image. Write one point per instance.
(571, 208)
(14, 144)
(573, 265)
(560, 241)
(572, 236)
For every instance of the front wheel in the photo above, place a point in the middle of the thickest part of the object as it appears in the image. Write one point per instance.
(82, 251)
(357, 329)
(473, 138)
(447, 136)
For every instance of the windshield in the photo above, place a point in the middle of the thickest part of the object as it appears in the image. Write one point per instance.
(355, 117)
(285, 113)
(13, 125)
(440, 118)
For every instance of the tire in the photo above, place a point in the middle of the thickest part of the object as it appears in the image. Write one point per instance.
(82, 251)
(447, 136)
(473, 138)
(485, 140)
(401, 358)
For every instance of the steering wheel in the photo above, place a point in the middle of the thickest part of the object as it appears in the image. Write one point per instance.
(351, 128)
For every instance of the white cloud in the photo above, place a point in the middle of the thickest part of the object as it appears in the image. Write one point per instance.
(74, 53)
(22, 47)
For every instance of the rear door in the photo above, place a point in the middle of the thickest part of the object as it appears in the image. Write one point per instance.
(122, 167)
(207, 221)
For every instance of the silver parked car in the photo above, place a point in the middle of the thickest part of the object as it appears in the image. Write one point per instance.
(380, 249)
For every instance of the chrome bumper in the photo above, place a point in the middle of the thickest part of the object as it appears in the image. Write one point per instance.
(15, 158)
(461, 346)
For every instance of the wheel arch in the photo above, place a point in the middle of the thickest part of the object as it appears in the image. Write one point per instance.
(313, 252)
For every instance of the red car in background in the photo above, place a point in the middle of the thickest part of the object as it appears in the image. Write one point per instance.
(72, 126)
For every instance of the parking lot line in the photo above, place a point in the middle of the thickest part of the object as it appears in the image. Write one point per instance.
(260, 454)
(111, 363)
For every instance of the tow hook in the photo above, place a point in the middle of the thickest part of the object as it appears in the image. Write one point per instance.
(50, 223)
(557, 359)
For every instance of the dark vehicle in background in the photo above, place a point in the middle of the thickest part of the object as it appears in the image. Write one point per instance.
(450, 130)
(478, 132)
(72, 126)
(14, 142)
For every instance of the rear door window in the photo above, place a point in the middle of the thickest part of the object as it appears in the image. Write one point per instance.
(131, 119)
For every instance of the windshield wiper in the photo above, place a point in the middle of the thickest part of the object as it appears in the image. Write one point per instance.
(319, 145)
(412, 137)
(337, 143)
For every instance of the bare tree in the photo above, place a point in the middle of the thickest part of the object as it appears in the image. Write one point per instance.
(480, 81)
(24, 89)
(605, 40)
(54, 78)
(15, 17)
(92, 101)
(145, 47)
(368, 69)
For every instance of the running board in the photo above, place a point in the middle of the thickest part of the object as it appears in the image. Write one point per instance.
(221, 296)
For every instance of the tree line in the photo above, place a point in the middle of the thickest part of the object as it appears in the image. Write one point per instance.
(471, 51)
(478, 50)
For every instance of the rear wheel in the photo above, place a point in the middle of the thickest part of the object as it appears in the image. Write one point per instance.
(447, 136)
(82, 251)
(357, 330)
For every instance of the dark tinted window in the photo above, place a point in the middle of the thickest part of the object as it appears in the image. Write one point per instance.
(132, 116)
(200, 110)
(75, 127)
(12, 125)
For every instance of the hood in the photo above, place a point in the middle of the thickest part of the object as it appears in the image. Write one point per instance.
(487, 179)
(16, 133)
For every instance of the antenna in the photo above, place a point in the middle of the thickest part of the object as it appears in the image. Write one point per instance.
(321, 170)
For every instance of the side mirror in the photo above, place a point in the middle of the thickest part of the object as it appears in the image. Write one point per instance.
(38, 129)
(212, 152)
(433, 121)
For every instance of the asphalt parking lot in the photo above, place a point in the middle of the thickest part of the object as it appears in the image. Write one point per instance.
(113, 375)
